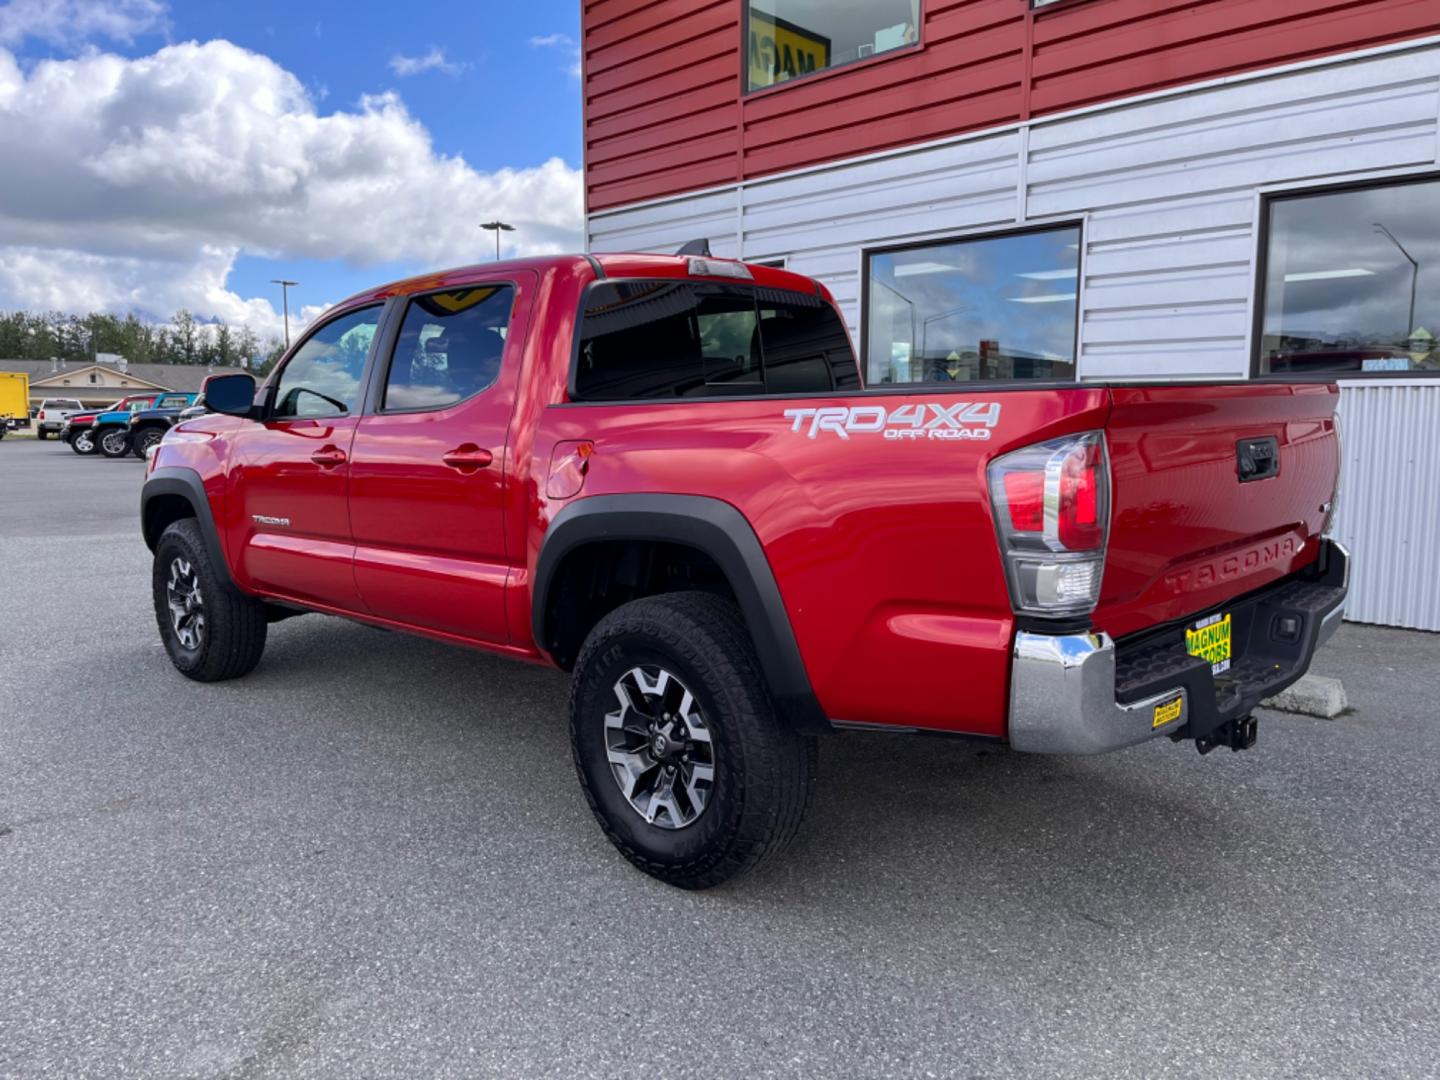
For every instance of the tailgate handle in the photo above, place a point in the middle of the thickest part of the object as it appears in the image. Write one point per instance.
(1257, 459)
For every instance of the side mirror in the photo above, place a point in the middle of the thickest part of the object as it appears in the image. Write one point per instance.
(192, 412)
(233, 395)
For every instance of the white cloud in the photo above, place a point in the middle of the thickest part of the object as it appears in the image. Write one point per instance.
(434, 60)
(70, 23)
(565, 43)
(137, 183)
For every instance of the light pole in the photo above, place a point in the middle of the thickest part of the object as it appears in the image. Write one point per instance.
(1414, 278)
(285, 293)
(497, 227)
(925, 326)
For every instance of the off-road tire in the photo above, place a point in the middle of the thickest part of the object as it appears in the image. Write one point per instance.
(764, 771)
(235, 626)
(144, 438)
(123, 442)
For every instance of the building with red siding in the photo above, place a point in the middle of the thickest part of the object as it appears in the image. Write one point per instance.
(1070, 190)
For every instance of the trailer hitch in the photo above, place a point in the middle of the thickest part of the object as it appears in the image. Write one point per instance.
(1237, 734)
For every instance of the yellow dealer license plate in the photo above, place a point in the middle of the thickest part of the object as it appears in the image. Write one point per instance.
(1210, 640)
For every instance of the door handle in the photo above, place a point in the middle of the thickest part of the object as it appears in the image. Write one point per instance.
(468, 457)
(327, 457)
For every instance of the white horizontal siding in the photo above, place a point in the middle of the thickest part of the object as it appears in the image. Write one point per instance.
(667, 227)
(1389, 512)
(1168, 190)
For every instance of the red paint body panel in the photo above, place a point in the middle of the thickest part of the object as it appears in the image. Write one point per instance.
(665, 112)
(1185, 535)
(884, 550)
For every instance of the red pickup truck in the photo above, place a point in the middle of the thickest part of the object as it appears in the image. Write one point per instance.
(664, 474)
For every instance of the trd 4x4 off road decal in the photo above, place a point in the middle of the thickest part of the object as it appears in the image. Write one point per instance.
(933, 420)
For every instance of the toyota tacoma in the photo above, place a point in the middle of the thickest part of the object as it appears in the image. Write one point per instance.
(663, 475)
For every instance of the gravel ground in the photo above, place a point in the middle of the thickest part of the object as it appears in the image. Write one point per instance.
(371, 857)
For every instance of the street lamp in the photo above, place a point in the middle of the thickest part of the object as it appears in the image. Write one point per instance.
(497, 227)
(925, 325)
(1414, 277)
(285, 293)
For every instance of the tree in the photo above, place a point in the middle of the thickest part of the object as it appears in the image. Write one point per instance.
(184, 340)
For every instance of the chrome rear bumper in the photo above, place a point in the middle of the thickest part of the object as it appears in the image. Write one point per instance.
(1063, 687)
(1062, 698)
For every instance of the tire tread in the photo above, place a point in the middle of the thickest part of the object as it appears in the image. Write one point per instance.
(776, 781)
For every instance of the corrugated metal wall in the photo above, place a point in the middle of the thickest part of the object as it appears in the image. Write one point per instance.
(1168, 189)
(1390, 504)
(665, 112)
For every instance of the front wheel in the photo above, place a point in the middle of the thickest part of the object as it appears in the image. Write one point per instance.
(113, 442)
(144, 440)
(83, 442)
(682, 758)
(211, 629)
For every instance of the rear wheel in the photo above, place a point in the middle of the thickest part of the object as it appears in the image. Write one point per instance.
(41, 434)
(211, 629)
(678, 748)
(144, 439)
(114, 442)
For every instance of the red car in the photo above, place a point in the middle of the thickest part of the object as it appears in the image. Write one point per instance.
(664, 475)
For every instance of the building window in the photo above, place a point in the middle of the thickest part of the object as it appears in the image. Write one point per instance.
(1352, 282)
(789, 39)
(991, 307)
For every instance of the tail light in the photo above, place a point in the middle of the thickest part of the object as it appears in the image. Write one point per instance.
(1052, 511)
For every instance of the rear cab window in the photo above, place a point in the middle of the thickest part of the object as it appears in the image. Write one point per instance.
(667, 339)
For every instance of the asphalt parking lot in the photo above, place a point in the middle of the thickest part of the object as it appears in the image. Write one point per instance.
(371, 857)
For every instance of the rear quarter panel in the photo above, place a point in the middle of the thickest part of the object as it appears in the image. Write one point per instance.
(884, 550)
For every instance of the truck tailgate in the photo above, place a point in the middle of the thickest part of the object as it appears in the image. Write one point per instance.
(1188, 533)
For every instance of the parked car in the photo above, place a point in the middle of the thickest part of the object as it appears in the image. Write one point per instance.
(664, 475)
(146, 427)
(111, 430)
(75, 431)
(52, 414)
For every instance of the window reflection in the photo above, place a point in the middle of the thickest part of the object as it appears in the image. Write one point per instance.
(999, 307)
(450, 347)
(1352, 281)
(323, 377)
(789, 39)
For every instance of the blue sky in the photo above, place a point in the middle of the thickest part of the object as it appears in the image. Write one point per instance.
(437, 114)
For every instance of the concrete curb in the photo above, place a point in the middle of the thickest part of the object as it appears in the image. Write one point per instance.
(1313, 695)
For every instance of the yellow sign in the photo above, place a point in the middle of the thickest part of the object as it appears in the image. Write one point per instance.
(454, 302)
(1210, 640)
(780, 50)
(1168, 712)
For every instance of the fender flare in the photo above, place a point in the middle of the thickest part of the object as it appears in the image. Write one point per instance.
(720, 531)
(186, 483)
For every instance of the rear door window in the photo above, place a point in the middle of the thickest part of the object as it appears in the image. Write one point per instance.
(668, 339)
(450, 347)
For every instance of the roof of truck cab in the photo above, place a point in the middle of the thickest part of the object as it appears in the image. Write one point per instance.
(617, 266)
